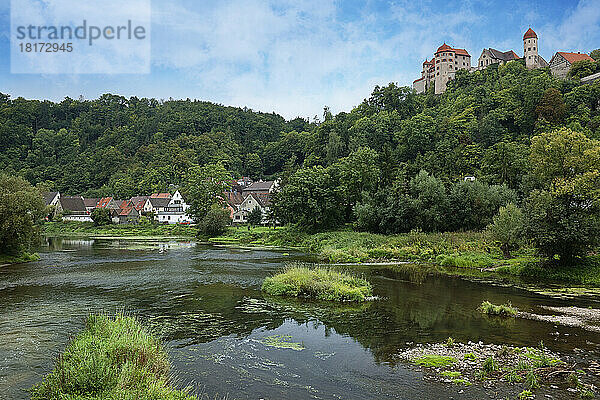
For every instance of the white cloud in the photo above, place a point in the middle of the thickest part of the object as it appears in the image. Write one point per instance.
(294, 57)
(577, 30)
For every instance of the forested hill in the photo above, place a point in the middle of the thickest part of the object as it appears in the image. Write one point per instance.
(481, 127)
(127, 146)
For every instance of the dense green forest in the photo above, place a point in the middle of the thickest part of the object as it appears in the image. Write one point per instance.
(394, 163)
(120, 146)
(480, 127)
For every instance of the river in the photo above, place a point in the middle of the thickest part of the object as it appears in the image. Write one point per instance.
(205, 303)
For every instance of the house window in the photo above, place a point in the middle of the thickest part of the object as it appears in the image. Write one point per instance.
(529, 49)
(534, 48)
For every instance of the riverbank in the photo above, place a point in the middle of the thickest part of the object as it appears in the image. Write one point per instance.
(88, 229)
(112, 358)
(25, 257)
(455, 253)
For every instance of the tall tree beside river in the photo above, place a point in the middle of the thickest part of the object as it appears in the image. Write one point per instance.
(21, 209)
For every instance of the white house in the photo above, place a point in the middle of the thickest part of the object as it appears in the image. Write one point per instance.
(175, 212)
(73, 209)
(251, 202)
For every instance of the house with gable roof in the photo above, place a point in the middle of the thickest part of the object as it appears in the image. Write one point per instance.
(73, 208)
(561, 62)
(175, 212)
(492, 56)
(250, 202)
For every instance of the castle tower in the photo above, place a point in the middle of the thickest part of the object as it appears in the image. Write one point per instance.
(443, 58)
(530, 49)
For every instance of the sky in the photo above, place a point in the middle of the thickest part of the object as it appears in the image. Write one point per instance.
(294, 57)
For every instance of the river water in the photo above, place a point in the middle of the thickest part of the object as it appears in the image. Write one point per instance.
(206, 305)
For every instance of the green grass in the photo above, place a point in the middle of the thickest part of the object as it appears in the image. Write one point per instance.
(450, 374)
(298, 280)
(73, 228)
(20, 258)
(435, 361)
(454, 253)
(502, 310)
(113, 359)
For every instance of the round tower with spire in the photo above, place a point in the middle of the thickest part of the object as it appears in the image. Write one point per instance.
(530, 49)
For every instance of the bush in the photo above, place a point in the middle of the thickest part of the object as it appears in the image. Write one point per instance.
(215, 222)
(101, 216)
(317, 283)
(502, 310)
(113, 358)
(507, 228)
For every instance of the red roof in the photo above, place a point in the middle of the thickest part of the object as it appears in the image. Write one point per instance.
(529, 34)
(443, 47)
(417, 80)
(160, 195)
(574, 57)
(104, 202)
(125, 204)
(125, 211)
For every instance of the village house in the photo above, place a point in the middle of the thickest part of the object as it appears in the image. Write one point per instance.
(51, 198)
(260, 187)
(90, 203)
(561, 62)
(72, 208)
(110, 203)
(155, 205)
(250, 202)
(233, 200)
(139, 202)
(128, 215)
(175, 212)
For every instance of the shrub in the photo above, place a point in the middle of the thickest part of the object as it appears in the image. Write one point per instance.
(215, 222)
(101, 216)
(507, 228)
(318, 283)
(113, 358)
(502, 310)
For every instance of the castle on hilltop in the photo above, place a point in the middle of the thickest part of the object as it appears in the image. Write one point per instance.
(447, 60)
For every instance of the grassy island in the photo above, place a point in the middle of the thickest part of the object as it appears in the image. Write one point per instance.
(317, 283)
(113, 358)
(83, 229)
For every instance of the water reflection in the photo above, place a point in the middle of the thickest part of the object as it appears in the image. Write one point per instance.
(206, 303)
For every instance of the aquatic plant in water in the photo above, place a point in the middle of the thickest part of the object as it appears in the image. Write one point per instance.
(282, 342)
(299, 280)
(502, 310)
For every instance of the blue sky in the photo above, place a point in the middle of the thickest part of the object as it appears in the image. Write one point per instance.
(296, 56)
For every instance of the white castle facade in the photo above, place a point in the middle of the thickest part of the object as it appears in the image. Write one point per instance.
(447, 60)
